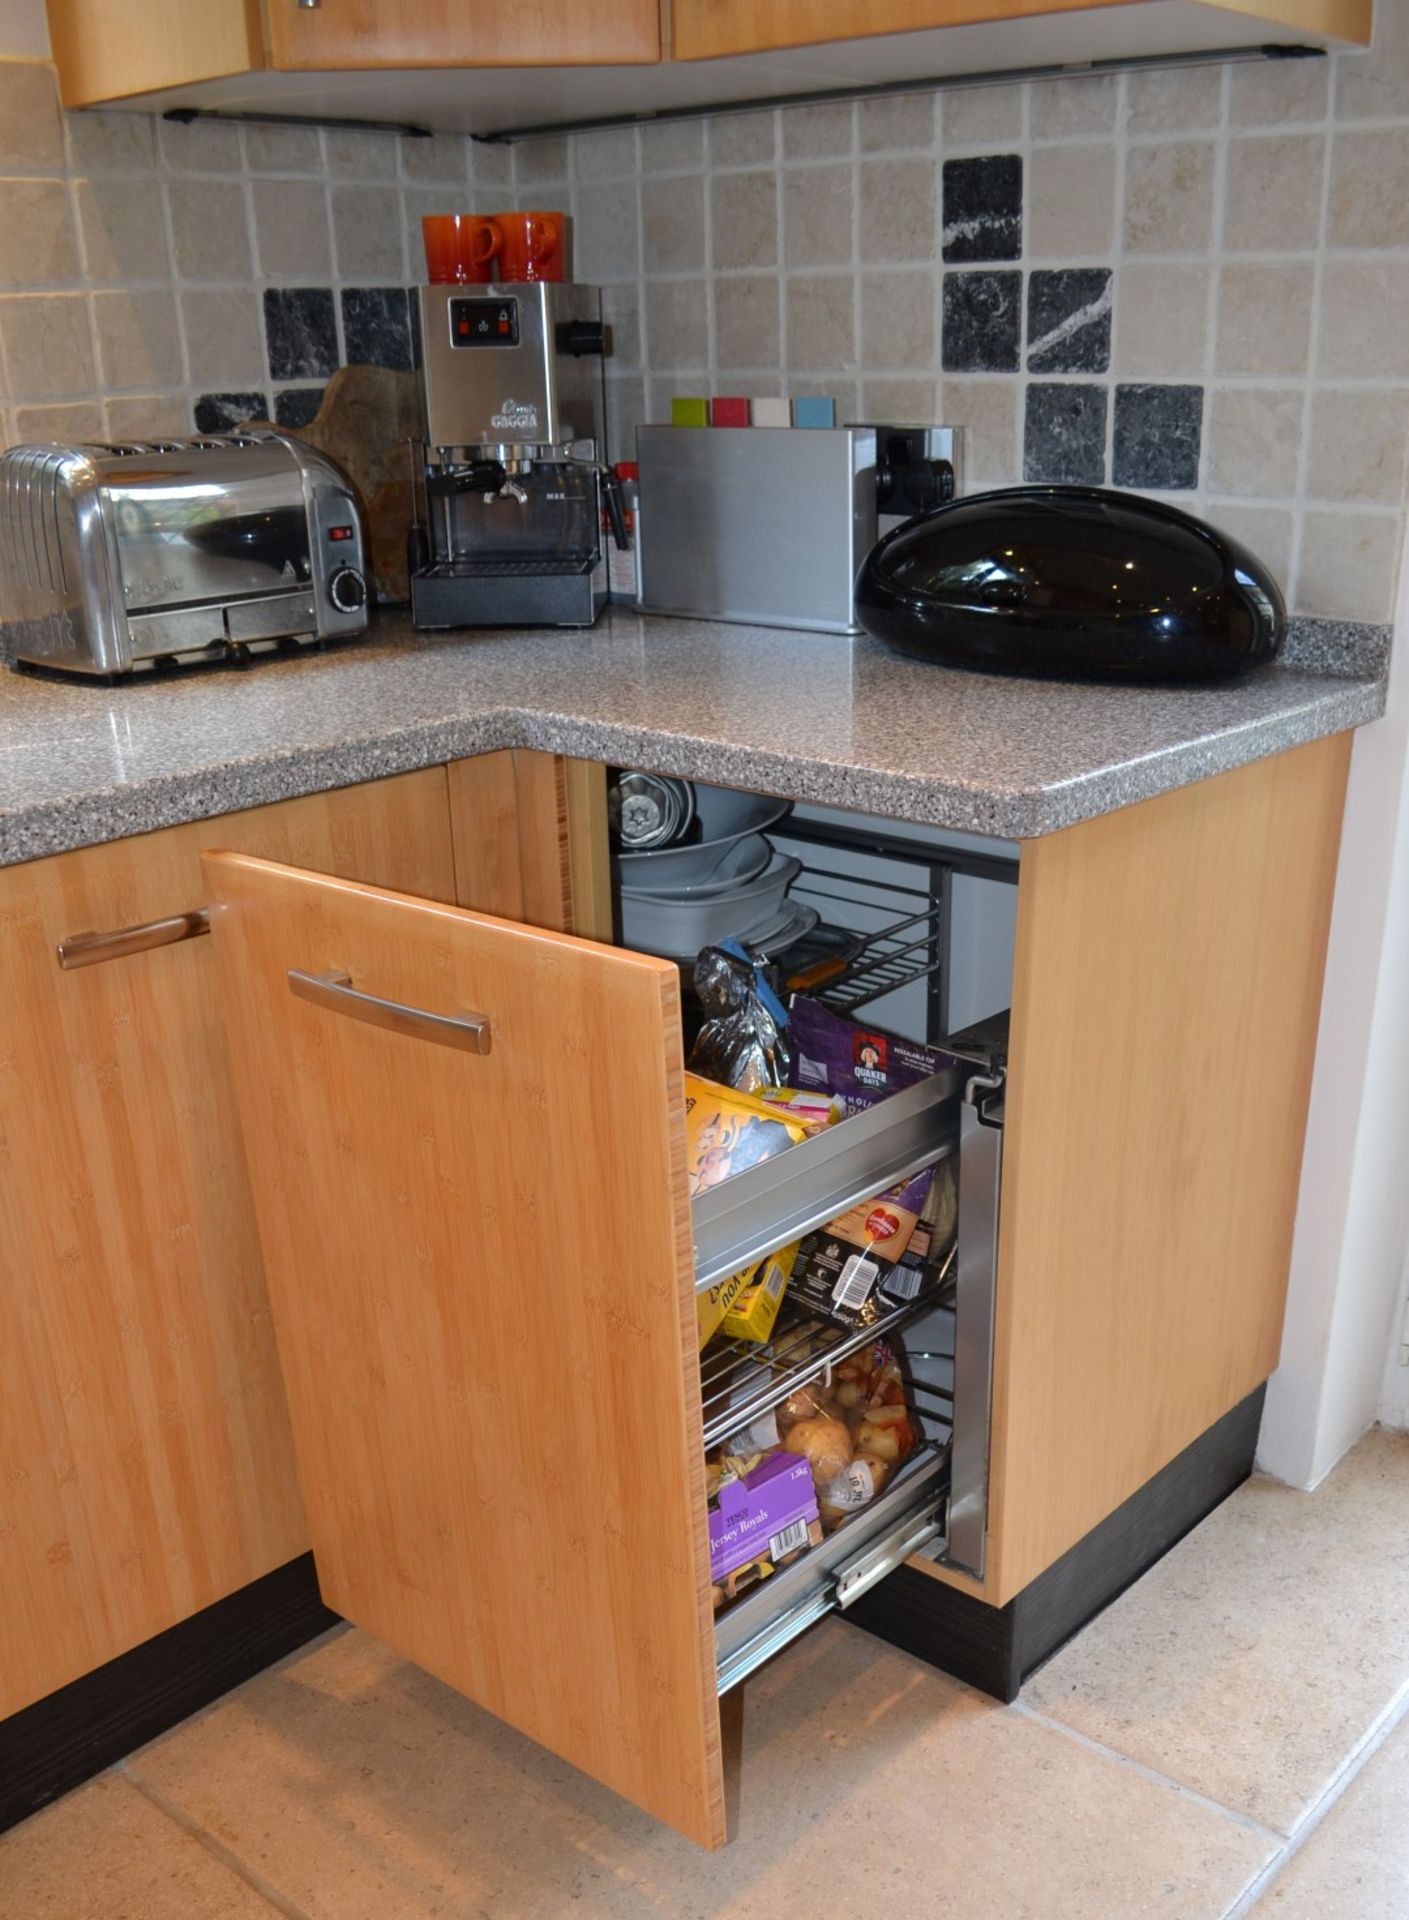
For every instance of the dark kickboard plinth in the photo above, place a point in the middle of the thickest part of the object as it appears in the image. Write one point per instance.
(996, 1649)
(64, 1739)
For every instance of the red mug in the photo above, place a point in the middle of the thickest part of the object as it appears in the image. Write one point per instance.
(532, 246)
(459, 247)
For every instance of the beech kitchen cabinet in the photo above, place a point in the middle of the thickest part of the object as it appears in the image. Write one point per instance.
(465, 1138)
(144, 1440)
(454, 65)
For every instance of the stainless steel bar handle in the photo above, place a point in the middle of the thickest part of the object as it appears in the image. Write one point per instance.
(335, 991)
(87, 949)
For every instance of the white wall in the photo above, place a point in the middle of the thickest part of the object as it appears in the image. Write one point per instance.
(24, 31)
(1353, 1217)
(1394, 1397)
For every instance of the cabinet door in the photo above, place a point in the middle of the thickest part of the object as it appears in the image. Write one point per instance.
(144, 1442)
(461, 33)
(482, 1279)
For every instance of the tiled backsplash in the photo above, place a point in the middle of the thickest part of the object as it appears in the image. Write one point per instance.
(1193, 282)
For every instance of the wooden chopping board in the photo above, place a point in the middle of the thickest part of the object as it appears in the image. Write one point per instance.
(367, 416)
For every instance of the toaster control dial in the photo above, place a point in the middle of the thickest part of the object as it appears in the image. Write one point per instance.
(348, 590)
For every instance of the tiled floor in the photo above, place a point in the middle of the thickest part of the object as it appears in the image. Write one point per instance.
(1231, 1739)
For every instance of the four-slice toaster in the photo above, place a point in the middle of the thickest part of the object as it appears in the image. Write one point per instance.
(116, 558)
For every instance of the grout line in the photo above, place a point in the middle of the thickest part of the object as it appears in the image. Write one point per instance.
(178, 1816)
(1152, 1774)
(1329, 1798)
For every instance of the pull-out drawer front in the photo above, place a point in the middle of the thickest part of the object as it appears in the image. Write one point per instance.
(466, 1138)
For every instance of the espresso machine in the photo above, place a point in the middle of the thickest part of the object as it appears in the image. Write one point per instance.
(509, 480)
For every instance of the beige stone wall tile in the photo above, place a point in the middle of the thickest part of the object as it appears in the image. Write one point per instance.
(821, 329)
(898, 320)
(367, 233)
(1370, 188)
(1359, 444)
(123, 228)
(38, 245)
(1254, 440)
(80, 420)
(138, 345)
(743, 219)
(898, 399)
(1161, 320)
(1266, 532)
(224, 338)
(1059, 109)
(677, 324)
(846, 393)
(199, 146)
(1176, 100)
(442, 160)
(285, 149)
(747, 329)
(1348, 564)
(817, 216)
(675, 146)
(491, 169)
(982, 116)
(209, 230)
(611, 153)
(1272, 194)
(626, 410)
(621, 311)
(1278, 92)
(147, 416)
(1375, 85)
(1363, 332)
(539, 167)
(350, 155)
(607, 232)
(899, 122)
(47, 344)
(102, 143)
(743, 139)
(812, 132)
(987, 410)
(1071, 204)
(291, 230)
(899, 210)
(31, 128)
(1169, 198)
(1264, 319)
(673, 228)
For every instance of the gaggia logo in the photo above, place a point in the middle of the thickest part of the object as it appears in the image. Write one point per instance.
(516, 416)
(880, 1225)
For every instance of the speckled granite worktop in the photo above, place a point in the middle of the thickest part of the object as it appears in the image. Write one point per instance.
(811, 716)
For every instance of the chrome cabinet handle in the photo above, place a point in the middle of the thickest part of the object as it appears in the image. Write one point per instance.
(87, 949)
(335, 991)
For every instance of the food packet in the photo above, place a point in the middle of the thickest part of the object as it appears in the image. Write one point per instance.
(740, 1043)
(861, 1254)
(763, 1513)
(868, 1393)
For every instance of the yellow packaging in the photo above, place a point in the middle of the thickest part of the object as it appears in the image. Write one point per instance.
(726, 1131)
(754, 1311)
(715, 1302)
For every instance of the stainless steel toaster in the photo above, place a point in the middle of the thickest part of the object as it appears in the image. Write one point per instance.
(116, 558)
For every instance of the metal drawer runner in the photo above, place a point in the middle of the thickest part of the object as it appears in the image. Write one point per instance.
(739, 1221)
(909, 1515)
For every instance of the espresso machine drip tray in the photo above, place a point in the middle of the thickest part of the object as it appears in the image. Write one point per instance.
(511, 566)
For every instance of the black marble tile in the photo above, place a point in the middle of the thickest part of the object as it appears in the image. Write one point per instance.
(218, 412)
(376, 328)
(1064, 433)
(982, 325)
(983, 207)
(1069, 320)
(300, 328)
(296, 406)
(1158, 436)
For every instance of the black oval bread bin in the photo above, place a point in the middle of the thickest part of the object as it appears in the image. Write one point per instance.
(1080, 582)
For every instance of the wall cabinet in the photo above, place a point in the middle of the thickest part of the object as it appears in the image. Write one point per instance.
(455, 65)
(466, 1144)
(144, 1441)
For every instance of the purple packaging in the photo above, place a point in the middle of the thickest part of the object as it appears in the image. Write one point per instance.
(860, 1064)
(767, 1514)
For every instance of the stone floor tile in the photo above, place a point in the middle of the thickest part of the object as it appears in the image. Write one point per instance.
(106, 1853)
(1252, 1660)
(361, 1789)
(1355, 1865)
